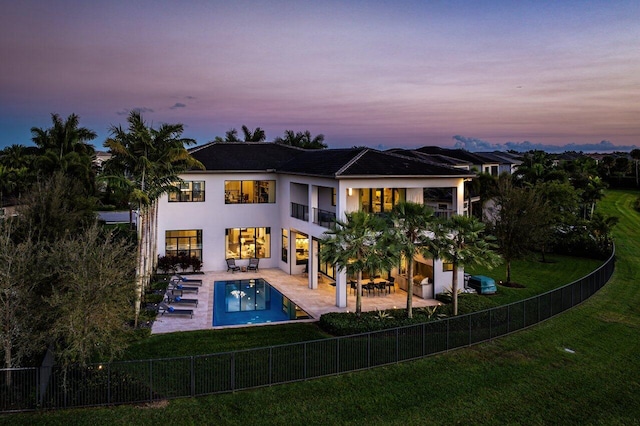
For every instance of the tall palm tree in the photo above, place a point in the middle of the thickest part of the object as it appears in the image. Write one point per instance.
(356, 245)
(258, 135)
(147, 162)
(302, 140)
(461, 242)
(65, 146)
(413, 226)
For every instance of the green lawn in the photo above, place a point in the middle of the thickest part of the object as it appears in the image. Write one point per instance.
(214, 341)
(526, 378)
(536, 276)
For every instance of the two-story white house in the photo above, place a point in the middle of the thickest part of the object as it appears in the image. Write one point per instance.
(274, 202)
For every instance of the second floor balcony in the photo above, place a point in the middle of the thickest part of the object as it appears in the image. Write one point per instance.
(300, 211)
(324, 218)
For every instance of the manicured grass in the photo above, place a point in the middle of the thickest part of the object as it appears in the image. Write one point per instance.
(213, 341)
(526, 378)
(537, 277)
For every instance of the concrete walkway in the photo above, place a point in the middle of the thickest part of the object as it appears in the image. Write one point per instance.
(315, 302)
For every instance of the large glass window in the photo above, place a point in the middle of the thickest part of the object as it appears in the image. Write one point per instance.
(247, 243)
(325, 267)
(189, 191)
(302, 248)
(184, 243)
(380, 200)
(249, 191)
(285, 245)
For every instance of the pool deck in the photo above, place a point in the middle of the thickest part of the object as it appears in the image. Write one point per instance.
(313, 301)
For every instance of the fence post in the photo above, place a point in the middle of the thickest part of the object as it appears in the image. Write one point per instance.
(233, 371)
(150, 380)
(109, 383)
(369, 350)
(193, 377)
(270, 365)
(305, 360)
(448, 321)
(397, 345)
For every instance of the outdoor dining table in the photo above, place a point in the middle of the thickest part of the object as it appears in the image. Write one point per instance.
(377, 284)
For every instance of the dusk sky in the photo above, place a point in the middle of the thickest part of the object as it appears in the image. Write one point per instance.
(480, 74)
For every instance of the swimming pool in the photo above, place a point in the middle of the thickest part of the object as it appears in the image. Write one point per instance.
(252, 301)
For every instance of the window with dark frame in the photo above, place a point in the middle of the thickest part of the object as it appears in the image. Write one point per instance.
(186, 242)
(247, 243)
(188, 192)
(249, 191)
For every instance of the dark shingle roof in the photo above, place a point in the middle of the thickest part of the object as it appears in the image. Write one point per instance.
(243, 156)
(376, 163)
(352, 162)
(473, 158)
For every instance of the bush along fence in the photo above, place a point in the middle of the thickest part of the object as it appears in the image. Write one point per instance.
(23, 389)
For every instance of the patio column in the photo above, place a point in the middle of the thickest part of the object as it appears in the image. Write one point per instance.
(341, 289)
(313, 264)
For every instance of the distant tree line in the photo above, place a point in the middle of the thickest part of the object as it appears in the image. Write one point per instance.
(291, 138)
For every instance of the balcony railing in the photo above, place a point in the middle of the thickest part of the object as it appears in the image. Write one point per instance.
(300, 211)
(444, 214)
(324, 218)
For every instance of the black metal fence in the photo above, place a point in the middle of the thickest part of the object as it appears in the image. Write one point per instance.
(24, 389)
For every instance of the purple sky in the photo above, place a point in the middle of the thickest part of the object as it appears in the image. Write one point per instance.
(376, 73)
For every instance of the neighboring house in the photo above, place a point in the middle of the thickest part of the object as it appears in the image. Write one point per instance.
(275, 202)
(481, 163)
(507, 162)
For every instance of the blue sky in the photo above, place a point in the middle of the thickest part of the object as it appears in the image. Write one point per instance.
(377, 73)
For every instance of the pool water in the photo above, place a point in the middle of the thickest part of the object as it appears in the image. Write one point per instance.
(252, 301)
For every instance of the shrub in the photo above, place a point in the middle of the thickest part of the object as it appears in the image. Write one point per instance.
(196, 264)
(467, 303)
(344, 324)
(167, 263)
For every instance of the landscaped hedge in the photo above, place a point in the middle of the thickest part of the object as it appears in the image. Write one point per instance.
(346, 323)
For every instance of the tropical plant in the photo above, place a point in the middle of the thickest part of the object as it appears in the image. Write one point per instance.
(516, 215)
(461, 241)
(231, 135)
(65, 147)
(412, 231)
(301, 140)
(635, 155)
(382, 315)
(355, 245)
(146, 162)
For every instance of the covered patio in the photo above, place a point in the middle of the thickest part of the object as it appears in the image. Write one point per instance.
(315, 302)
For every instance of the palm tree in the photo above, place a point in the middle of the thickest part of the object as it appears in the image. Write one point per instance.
(65, 146)
(146, 162)
(358, 244)
(635, 154)
(413, 233)
(461, 242)
(258, 135)
(302, 140)
(64, 136)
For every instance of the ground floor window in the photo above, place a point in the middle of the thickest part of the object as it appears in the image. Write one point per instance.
(285, 245)
(325, 267)
(184, 243)
(302, 248)
(247, 243)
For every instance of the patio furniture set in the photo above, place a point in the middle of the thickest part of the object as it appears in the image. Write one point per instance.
(253, 265)
(377, 286)
(173, 298)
